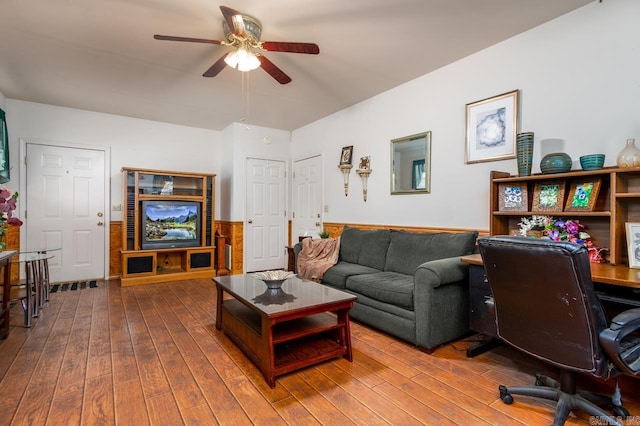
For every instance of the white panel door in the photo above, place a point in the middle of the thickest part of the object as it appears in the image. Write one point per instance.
(307, 198)
(65, 208)
(265, 223)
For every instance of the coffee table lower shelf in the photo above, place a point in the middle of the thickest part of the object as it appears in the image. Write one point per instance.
(279, 346)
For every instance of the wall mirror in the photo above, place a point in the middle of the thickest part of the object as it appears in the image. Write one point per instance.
(411, 164)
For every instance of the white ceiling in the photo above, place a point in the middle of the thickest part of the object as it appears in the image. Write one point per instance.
(100, 55)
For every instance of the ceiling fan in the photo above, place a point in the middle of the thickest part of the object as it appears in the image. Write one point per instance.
(243, 33)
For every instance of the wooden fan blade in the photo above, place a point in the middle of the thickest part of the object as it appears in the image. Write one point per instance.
(193, 40)
(216, 68)
(283, 46)
(273, 70)
(234, 20)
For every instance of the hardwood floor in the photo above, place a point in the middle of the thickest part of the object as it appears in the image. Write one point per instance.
(150, 355)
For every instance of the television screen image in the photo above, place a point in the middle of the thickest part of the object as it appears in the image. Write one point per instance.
(170, 224)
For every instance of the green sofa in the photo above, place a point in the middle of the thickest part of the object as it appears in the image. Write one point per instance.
(410, 285)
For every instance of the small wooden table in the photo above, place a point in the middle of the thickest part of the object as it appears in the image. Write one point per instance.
(284, 330)
(5, 265)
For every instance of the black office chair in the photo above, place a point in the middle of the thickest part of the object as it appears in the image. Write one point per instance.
(546, 306)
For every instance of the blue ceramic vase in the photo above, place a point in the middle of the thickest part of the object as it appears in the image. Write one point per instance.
(557, 162)
(524, 153)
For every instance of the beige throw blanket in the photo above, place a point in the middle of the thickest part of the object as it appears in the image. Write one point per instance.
(317, 256)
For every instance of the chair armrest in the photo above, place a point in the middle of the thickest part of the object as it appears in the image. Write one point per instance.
(621, 342)
(445, 271)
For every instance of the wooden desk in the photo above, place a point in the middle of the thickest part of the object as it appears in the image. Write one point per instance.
(605, 273)
(5, 265)
(616, 284)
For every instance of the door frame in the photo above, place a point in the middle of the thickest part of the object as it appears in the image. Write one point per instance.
(107, 188)
(244, 202)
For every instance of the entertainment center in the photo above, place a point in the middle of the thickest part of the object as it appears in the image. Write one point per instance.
(168, 226)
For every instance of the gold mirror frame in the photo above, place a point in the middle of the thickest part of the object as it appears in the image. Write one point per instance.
(411, 164)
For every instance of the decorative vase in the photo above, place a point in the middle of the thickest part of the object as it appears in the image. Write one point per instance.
(524, 153)
(556, 162)
(629, 156)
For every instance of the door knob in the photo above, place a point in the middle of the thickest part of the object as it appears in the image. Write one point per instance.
(99, 214)
(250, 221)
(100, 223)
(317, 223)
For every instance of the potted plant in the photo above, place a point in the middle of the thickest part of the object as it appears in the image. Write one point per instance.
(324, 234)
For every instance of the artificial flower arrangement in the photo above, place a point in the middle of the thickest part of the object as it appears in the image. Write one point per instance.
(556, 229)
(7, 207)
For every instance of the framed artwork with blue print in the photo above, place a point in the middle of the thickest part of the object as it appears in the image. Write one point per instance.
(513, 197)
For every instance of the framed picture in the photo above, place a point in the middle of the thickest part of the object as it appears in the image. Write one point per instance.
(491, 128)
(633, 244)
(513, 197)
(548, 196)
(583, 195)
(345, 157)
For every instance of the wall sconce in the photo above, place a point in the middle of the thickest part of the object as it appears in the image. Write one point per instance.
(345, 169)
(364, 170)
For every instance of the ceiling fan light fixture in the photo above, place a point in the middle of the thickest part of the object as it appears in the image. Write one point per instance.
(242, 60)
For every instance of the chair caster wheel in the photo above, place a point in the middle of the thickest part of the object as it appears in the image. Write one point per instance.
(505, 396)
(621, 412)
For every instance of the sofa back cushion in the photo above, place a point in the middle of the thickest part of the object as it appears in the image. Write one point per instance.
(367, 248)
(409, 250)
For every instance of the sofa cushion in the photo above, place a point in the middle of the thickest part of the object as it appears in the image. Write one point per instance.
(367, 248)
(337, 275)
(387, 287)
(408, 250)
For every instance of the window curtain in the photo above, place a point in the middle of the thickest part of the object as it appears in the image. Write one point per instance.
(419, 175)
(4, 149)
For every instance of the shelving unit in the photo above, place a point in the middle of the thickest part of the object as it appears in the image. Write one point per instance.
(140, 266)
(618, 202)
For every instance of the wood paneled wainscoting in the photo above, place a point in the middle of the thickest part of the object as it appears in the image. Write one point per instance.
(234, 234)
(335, 229)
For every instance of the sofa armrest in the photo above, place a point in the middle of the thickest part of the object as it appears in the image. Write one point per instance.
(297, 248)
(441, 272)
(441, 301)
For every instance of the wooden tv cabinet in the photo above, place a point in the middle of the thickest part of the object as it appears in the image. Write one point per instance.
(144, 266)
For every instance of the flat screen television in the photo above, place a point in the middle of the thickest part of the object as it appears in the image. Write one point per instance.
(170, 224)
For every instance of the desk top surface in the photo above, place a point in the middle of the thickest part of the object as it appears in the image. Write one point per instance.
(604, 273)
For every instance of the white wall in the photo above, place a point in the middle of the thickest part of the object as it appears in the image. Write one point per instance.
(579, 82)
(3, 101)
(132, 142)
(242, 141)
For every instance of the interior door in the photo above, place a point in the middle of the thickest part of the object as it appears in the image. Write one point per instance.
(307, 198)
(65, 197)
(265, 222)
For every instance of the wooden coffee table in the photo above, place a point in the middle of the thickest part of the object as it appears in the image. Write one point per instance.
(284, 330)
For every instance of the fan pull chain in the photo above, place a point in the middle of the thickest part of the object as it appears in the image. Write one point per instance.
(245, 100)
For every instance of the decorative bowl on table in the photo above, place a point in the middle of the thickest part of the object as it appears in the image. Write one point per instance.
(274, 279)
(592, 161)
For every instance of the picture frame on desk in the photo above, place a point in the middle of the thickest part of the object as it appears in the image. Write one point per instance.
(583, 195)
(633, 244)
(548, 196)
(513, 197)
